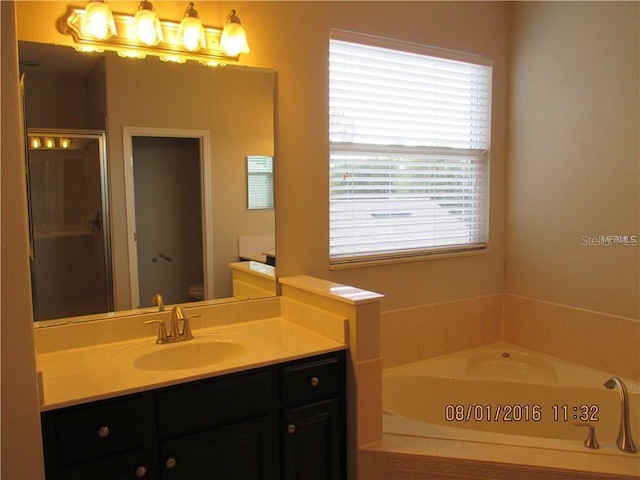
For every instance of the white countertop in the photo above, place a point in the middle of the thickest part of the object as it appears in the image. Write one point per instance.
(80, 375)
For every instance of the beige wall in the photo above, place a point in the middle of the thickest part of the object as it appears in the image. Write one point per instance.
(302, 142)
(21, 445)
(545, 259)
(573, 166)
(292, 38)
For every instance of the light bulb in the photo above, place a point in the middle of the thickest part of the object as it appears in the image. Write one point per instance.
(191, 32)
(147, 25)
(233, 40)
(98, 21)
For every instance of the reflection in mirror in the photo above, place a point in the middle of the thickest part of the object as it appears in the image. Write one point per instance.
(69, 218)
(259, 182)
(166, 238)
(68, 90)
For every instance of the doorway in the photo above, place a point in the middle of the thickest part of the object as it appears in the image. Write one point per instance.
(166, 215)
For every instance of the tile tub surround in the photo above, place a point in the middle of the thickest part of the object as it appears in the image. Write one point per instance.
(592, 339)
(414, 334)
(399, 457)
(596, 340)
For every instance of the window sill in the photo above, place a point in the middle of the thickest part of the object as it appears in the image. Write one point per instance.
(408, 259)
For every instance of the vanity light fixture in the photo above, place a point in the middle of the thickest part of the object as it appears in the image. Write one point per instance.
(98, 21)
(234, 39)
(130, 54)
(173, 59)
(143, 34)
(191, 30)
(49, 142)
(147, 25)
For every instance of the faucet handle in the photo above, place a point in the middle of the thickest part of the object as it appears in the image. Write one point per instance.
(162, 330)
(186, 327)
(591, 441)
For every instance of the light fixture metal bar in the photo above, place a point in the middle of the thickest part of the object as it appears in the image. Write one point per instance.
(125, 40)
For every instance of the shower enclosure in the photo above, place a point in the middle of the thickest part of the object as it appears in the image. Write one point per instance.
(69, 223)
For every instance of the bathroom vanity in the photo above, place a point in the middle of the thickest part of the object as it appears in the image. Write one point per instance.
(254, 395)
(281, 421)
(262, 391)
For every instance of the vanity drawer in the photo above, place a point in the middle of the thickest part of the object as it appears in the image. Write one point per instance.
(310, 381)
(212, 403)
(131, 465)
(97, 430)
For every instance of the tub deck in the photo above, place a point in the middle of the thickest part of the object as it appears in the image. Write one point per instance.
(418, 443)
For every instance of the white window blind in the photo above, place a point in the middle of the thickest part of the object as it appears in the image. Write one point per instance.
(260, 182)
(409, 150)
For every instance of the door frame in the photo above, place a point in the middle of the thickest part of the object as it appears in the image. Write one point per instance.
(206, 199)
(101, 137)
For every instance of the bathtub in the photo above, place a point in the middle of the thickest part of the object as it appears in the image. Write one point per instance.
(506, 395)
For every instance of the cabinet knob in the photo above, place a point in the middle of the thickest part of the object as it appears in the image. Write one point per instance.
(103, 432)
(141, 471)
(291, 428)
(171, 462)
(315, 381)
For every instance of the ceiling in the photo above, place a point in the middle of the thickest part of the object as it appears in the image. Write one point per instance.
(54, 59)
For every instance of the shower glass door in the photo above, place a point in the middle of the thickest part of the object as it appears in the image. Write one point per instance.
(70, 241)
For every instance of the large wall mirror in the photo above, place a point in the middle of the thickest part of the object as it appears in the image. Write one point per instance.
(138, 181)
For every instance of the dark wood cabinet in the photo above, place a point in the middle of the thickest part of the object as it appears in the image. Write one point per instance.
(312, 420)
(312, 449)
(283, 421)
(244, 451)
(126, 466)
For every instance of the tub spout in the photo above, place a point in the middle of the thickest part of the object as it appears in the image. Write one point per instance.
(624, 441)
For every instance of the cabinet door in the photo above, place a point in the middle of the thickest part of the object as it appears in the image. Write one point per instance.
(313, 443)
(243, 451)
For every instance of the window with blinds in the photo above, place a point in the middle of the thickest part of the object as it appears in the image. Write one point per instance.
(259, 182)
(409, 131)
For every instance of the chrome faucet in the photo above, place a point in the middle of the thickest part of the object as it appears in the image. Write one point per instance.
(624, 441)
(591, 441)
(175, 334)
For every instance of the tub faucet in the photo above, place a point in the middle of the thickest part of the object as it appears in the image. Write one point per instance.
(624, 441)
(591, 441)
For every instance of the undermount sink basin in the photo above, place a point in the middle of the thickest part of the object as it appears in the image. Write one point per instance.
(182, 356)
